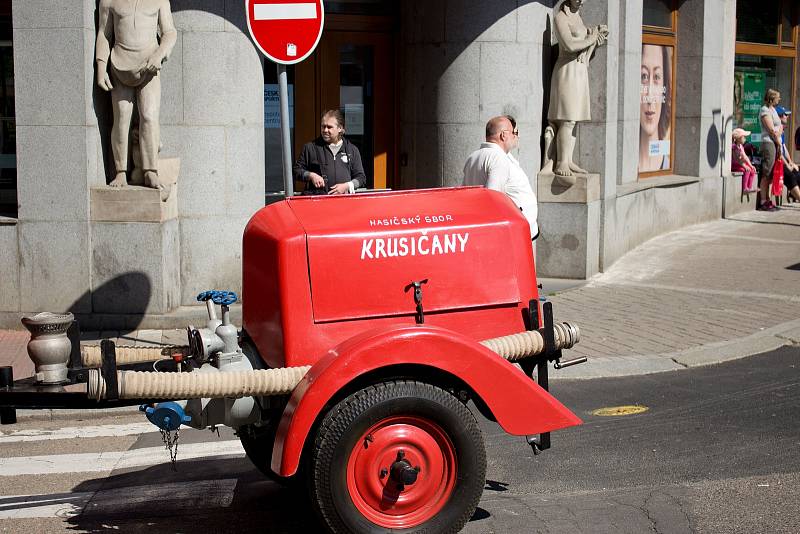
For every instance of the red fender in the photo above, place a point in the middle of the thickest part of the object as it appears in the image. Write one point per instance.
(520, 406)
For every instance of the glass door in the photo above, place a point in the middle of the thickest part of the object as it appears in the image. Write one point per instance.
(352, 71)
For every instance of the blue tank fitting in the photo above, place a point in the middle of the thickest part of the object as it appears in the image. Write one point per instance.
(206, 295)
(225, 298)
(165, 415)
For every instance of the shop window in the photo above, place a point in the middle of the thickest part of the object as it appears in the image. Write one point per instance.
(766, 37)
(658, 13)
(8, 125)
(657, 88)
(273, 159)
(789, 13)
(757, 22)
(769, 22)
(753, 75)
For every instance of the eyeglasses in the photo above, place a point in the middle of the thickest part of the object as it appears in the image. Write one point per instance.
(515, 131)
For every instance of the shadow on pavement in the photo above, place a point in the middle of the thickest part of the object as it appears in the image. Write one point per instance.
(209, 495)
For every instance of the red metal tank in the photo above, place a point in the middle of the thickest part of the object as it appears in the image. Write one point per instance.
(320, 270)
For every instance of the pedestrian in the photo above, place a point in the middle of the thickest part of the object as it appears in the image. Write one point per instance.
(493, 166)
(791, 171)
(770, 145)
(331, 164)
(741, 162)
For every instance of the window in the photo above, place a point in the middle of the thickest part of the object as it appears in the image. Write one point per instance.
(657, 89)
(766, 37)
(658, 13)
(273, 155)
(757, 22)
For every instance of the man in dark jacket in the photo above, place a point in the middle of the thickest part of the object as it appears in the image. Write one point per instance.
(330, 161)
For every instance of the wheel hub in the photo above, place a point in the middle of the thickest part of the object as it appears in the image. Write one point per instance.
(402, 472)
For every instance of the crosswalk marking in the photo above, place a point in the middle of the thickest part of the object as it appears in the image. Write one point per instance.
(156, 500)
(72, 432)
(108, 461)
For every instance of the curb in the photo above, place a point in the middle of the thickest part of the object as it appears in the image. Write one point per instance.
(710, 354)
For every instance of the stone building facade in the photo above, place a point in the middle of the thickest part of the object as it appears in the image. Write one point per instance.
(417, 80)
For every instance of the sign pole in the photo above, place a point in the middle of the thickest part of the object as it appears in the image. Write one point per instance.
(283, 92)
(286, 32)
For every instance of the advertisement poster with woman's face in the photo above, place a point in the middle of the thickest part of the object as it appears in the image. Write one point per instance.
(655, 119)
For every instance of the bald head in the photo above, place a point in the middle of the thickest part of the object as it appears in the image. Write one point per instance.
(502, 131)
(496, 125)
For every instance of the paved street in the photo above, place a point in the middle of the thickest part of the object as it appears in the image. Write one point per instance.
(714, 453)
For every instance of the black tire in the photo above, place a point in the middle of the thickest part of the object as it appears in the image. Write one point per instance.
(257, 442)
(336, 474)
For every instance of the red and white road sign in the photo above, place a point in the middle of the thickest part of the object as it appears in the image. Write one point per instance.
(286, 31)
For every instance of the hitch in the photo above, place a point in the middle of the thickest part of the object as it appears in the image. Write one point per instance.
(541, 442)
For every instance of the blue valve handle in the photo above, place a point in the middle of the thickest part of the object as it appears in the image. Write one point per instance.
(225, 298)
(205, 295)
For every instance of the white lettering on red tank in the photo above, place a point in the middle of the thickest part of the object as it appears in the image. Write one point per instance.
(421, 245)
(380, 245)
(426, 250)
(436, 244)
(463, 239)
(366, 249)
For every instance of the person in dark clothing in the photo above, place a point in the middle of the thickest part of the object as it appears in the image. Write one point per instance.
(331, 162)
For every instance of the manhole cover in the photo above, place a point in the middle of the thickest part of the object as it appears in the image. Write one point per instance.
(614, 411)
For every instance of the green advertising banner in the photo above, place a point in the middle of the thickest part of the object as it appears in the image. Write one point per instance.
(748, 94)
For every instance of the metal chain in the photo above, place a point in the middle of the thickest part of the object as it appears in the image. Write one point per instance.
(170, 440)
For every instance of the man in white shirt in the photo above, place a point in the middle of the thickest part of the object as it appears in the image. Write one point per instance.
(493, 166)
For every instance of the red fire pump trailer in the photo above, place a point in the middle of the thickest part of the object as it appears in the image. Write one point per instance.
(369, 321)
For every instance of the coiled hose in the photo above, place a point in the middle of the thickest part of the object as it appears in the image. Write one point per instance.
(283, 380)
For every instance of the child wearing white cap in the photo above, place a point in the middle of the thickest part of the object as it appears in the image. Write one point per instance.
(741, 163)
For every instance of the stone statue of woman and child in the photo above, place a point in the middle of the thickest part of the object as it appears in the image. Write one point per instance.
(134, 38)
(569, 89)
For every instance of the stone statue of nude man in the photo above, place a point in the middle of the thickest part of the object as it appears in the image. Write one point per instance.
(129, 69)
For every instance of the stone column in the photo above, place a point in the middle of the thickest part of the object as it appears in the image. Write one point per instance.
(463, 62)
(212, 111)
(706, 37)
(57, 152)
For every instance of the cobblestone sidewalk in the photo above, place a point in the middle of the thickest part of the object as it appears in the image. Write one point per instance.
(721, 281)
(710, 285)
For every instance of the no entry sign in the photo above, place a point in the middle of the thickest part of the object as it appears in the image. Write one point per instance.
(285, 31)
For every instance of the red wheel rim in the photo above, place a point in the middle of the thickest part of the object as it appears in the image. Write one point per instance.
(374, 492)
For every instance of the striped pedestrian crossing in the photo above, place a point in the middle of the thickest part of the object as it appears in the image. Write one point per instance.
(137, 499)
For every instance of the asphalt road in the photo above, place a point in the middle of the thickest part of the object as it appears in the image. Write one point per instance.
(716, 451)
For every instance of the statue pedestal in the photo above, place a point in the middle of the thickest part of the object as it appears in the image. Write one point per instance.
(569, 222)
(136, 251)
(131, 204)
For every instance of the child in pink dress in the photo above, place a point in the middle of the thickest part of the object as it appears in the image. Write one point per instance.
(741, 163)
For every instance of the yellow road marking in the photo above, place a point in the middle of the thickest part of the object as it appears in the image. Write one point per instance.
(614, 411)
